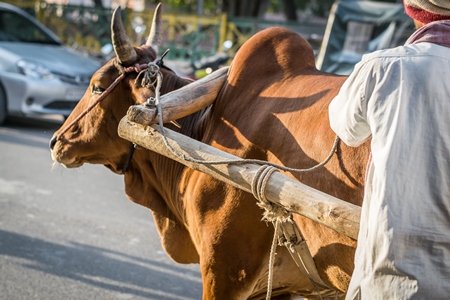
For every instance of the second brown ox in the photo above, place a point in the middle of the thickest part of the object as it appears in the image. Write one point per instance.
(273, 106)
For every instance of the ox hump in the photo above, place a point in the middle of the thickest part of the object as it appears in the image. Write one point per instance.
(275, 49)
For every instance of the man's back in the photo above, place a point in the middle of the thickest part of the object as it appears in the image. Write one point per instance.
(400, 97)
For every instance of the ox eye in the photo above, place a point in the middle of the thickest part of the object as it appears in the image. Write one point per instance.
(97, 90)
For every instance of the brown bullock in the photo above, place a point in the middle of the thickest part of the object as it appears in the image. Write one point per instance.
(273, 107)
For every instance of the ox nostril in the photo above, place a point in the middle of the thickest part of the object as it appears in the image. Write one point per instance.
(52, 143)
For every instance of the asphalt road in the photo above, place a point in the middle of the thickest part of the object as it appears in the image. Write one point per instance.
(73, 234)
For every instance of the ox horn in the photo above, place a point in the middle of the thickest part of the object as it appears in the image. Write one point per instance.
(155, 36)
(123, 48)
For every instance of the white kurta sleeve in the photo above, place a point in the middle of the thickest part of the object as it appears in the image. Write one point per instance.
(348, 110)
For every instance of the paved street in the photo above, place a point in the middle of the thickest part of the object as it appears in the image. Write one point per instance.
(73, 234)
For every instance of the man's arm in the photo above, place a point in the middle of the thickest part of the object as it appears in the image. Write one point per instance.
(348, 110)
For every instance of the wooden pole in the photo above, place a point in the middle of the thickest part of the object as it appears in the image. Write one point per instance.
(281, 189)
(182, 102)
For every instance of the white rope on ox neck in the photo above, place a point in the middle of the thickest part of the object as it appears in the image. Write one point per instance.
(273, 249)
(272, 212)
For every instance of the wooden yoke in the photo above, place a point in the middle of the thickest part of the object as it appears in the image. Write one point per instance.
(182, 102)
(281, 189)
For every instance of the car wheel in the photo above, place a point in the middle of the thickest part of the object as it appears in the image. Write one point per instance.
(3, 106)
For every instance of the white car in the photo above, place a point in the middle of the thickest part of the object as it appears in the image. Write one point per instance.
(38, 73)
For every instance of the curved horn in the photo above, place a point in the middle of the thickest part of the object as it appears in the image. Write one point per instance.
(155, 36)
(125, 52)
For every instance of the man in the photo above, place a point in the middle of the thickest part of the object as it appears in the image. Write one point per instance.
(401, 99)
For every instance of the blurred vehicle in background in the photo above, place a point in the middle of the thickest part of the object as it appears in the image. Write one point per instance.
(38, 73)
(200, 68)
(209, 64)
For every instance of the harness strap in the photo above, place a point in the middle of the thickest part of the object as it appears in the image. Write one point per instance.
(90, 107)
(130, 155)
(292, 238)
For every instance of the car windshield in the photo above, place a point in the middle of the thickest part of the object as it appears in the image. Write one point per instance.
(17, 28)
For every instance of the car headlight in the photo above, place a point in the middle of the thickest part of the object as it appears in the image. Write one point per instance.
(34, 70)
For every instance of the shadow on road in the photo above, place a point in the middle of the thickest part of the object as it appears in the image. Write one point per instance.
(29, 131)
(99, 267)
(38, 123)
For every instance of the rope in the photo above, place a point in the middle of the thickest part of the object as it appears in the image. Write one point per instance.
(258, 185)
(233, 161)
(271, 262)
(272, 212)
(147, 74)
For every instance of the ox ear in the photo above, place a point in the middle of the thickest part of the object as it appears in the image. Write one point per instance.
(155, 36)
(123, 48)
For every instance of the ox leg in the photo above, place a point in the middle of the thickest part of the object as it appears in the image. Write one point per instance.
(230, 271)
(243, 275)
(232, 242)
(234, 245)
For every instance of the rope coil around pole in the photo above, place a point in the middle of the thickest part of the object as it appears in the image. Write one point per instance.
(272, 212)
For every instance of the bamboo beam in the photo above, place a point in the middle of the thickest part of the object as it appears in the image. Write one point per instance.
(182, 102)
(281, 189)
